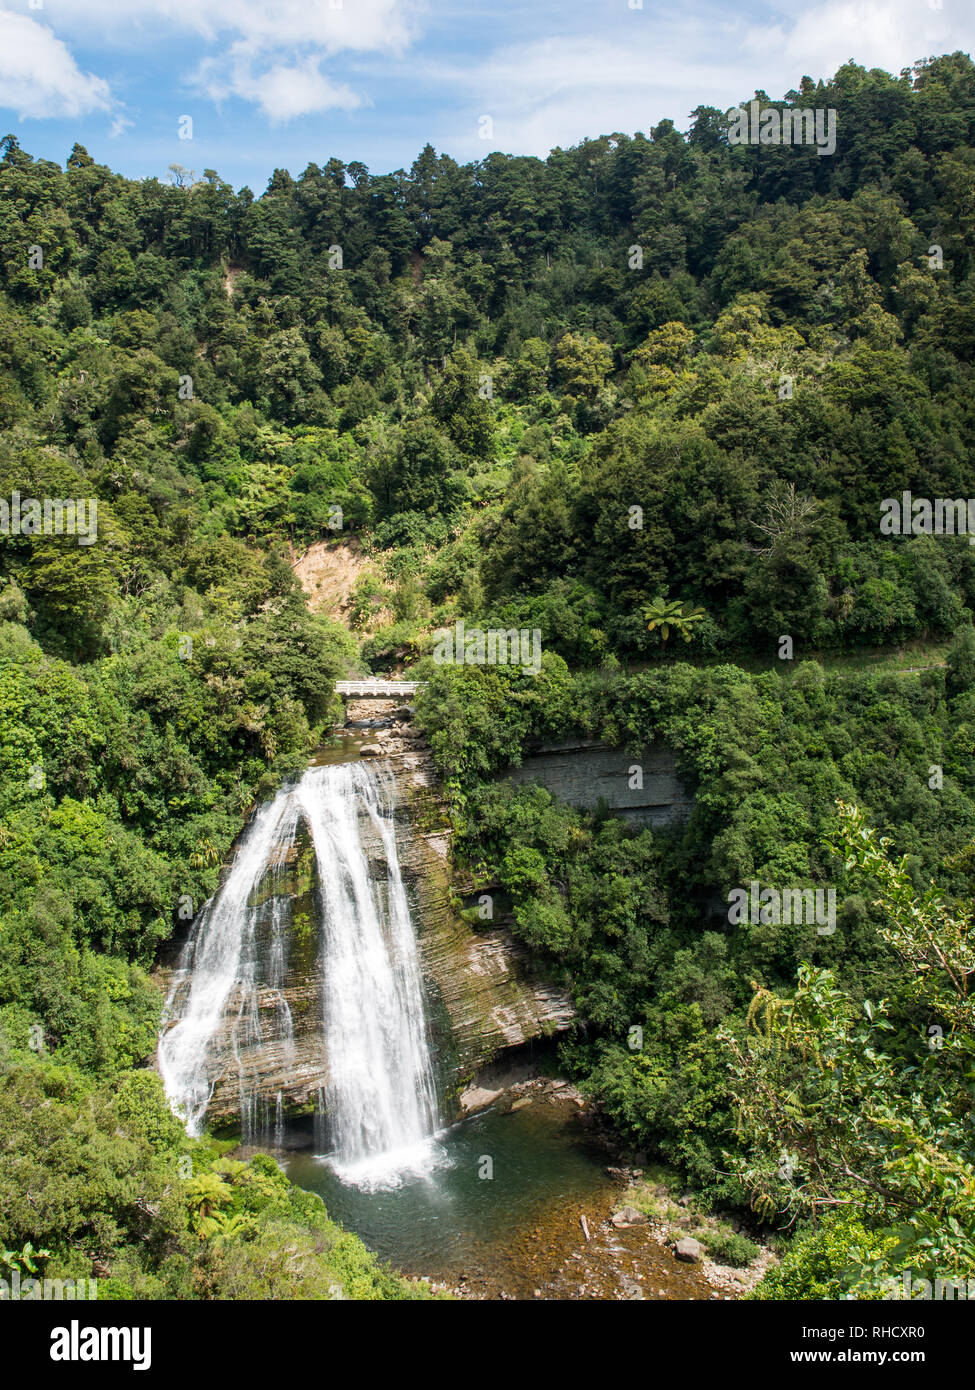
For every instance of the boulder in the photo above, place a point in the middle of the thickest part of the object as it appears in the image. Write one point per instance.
(628, 1216)
(689, 1250)
(370, 750)
(566, 1091)
(477, 1098)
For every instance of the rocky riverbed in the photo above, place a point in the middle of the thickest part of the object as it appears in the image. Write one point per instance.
(595, 1250)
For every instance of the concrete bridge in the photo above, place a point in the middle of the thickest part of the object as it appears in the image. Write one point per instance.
(376, 689)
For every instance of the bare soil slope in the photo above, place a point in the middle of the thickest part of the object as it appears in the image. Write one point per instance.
(328, 572)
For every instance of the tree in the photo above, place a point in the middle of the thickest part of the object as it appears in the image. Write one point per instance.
(286, 376)
(961, 662)
(672, 613)
(867, 1107)
(582, 363)
(459, 403)
(416, 470)
(787, 516)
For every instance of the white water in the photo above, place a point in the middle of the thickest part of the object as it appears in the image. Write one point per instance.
(218, 969)
(380, 1099)
(379, 1106)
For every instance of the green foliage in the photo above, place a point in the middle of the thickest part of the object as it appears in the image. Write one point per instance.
(629, 917)
(730, 1248)
(527, 432)
(872, 1104)
(826, 1262)
(666, 614)
(96, 1178)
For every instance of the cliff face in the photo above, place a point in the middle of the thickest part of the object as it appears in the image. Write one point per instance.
(643, 788)
(272, 1063)
(484, 993)
(271, 1041)
(489, 994)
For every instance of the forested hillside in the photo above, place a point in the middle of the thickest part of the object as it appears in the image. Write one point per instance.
(552, 394)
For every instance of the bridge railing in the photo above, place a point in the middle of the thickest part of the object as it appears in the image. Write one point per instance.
(377, 689)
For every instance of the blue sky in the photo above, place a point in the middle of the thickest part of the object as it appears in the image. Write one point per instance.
(279, 83)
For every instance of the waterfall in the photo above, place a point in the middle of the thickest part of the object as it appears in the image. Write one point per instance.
(377, 1112)
(218, 969)
(380, 1097)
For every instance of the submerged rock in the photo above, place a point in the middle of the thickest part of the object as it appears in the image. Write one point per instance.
(628, 1216)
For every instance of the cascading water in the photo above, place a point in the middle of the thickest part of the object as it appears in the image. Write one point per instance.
(380, 1097)
(218, 968)
(379, 1105)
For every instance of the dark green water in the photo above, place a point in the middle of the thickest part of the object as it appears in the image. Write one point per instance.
(455, 1221)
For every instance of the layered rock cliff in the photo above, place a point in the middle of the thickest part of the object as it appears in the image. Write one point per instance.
(644, 788)
(485, 994)
(490, 992)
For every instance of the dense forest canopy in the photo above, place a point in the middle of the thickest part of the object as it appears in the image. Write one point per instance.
(558, 394)
(501, 360)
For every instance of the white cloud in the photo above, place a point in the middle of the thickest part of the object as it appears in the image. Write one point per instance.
(269, 52)
(887, 34)
(282, 90)
(557, 91)
(643, 65)
(354, 25)
(38, 75)
(549, 72)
